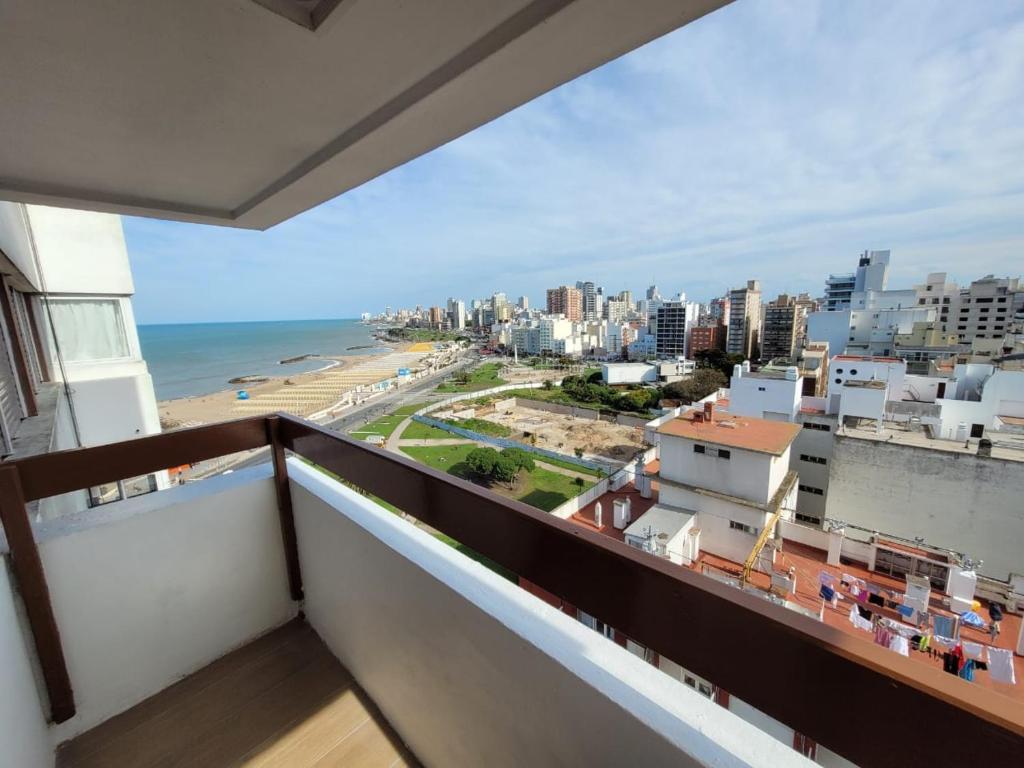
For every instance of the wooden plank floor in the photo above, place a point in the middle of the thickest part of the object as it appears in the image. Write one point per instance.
(282, 700)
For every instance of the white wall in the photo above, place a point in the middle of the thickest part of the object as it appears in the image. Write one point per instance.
(81, 251)
(746, 474)
(959, 501)
(713, 520)
(24, 740)
(113, 409)
(472, 670)
(15, 242)
(754, 396)
(148, 590)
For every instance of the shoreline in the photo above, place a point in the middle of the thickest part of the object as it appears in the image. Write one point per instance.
(223, 404)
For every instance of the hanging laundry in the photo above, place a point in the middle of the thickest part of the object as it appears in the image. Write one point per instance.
(859, 621)
(864, 612)
(924, 643)
(1000, 665)
(899, 644)
(826, 592)
(943, 643)
(827, 579)
(874, 589)
(882, 636)
(972, 619)
(967, 670)
(944, 626)
(950, 663)
(905, 610)
(876, 599)
(974, 651)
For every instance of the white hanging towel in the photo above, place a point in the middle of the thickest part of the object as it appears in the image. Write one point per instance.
(899, 644)
(974, 651)
(1000, 665)
(859, 621)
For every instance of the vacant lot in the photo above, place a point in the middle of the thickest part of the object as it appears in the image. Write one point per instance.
(564, 434)
(540, 488)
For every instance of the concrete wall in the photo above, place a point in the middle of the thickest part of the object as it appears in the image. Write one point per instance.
(716, 536)
(746, 474)
(472, 670)
(754, 396)
(24, 739)
(113, 409)
(960, 501)
(148, 590)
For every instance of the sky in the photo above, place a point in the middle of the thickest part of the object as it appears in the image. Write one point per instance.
(773, 141)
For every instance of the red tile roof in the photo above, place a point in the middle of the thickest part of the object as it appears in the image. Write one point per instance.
(745, 432)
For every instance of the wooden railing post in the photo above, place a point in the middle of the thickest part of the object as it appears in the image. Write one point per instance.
(284, 507)
(31, 581)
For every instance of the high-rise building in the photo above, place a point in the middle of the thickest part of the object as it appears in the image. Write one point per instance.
(652, 293)
(591, 296)
(437, 317)
(565, 301)
(872, 275)
(984, 310)
(524, 302)
(744, 320)
(618, 310)
(627, 297)
(779, 328)
(457, 314)
(671, 329)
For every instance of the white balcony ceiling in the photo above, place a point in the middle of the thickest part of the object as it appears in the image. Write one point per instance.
(227, 112)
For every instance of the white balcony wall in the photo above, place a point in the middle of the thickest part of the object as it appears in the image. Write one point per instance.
(24, 740)
(471, 670)
(148, 590)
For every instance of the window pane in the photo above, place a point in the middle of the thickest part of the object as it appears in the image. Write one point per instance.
(89, 329)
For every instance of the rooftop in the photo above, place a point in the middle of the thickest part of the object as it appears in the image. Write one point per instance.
(1004, 445)
(869, 359)
(808, 562)
(742, 432)
(660, 519)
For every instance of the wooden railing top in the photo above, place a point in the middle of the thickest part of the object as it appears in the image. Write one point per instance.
(860, 700)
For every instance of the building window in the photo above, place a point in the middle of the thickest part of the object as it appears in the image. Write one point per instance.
(813, 459)
(839, 370)
(699, 449)
(808, 519)
(1001, 299)
(811, 489)
(945, 299)
(89, 329)
(853, 371)
(815, 425)
(724, 453)
(839, 381)
(760, 389)
(743, 527)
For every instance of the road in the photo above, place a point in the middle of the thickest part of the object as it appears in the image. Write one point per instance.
(357, 415)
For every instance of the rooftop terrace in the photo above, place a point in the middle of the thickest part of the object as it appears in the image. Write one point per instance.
(744, 432)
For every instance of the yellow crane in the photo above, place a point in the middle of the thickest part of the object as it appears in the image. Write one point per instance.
(762, 539)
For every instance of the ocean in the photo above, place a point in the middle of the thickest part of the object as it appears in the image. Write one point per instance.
(199, 358)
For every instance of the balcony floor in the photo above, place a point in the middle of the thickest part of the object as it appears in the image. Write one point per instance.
(282, 700)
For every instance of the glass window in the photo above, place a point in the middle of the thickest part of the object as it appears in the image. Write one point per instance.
(89, 329)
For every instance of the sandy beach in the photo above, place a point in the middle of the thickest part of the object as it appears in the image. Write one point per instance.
(300, 393)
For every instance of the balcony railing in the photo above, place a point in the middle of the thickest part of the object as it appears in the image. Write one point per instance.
(844, 693)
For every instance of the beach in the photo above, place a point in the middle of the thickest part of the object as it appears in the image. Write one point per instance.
(223, 405)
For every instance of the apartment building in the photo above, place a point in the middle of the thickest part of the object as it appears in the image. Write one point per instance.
(565, 301)
(987, 309)
(779, 328)
(744, 335)
(706, 337)
(671, 329)
(456, 314)
(843, 291)
(71, 371)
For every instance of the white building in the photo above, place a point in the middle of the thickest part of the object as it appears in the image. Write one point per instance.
(71, 372)
(770, 393)
(870, 329)
(977, 397)
(732, 473)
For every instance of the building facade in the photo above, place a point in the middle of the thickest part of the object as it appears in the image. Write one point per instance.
(745, 320)
(566, 301)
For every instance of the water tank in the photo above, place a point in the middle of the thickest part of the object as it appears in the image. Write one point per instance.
(746, 366)
(644, 483)
(597, 514)
(792, 373)
(737, 371)
(620, 518)
(962, 431)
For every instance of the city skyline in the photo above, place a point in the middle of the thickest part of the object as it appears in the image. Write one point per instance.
(676, 161)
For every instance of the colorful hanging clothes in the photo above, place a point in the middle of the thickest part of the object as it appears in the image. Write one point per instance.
(905, 611)
(859, 621)
(944, 626)
(967, 670)
(826, 592)
(1000, 665)
(943, 643)
(882, 636)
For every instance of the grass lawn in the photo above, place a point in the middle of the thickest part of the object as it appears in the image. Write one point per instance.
(483, 426)
(540, 488)
(385, 425)
(418, 431)
(566, 464)
(483, 377)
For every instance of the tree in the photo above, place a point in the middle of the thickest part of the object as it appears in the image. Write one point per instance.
(522, 459)
(595, 378)
(548, 384)
(702, 383)
(717, 359)
(481, 461)
(638, 400)
(578, 452)
(505, 469)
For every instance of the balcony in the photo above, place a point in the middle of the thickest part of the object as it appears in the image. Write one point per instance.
(278, 616)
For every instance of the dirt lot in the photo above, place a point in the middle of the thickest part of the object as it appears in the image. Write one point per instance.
(565, 433)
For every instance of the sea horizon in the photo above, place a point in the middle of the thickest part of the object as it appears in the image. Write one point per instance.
(200, 358)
